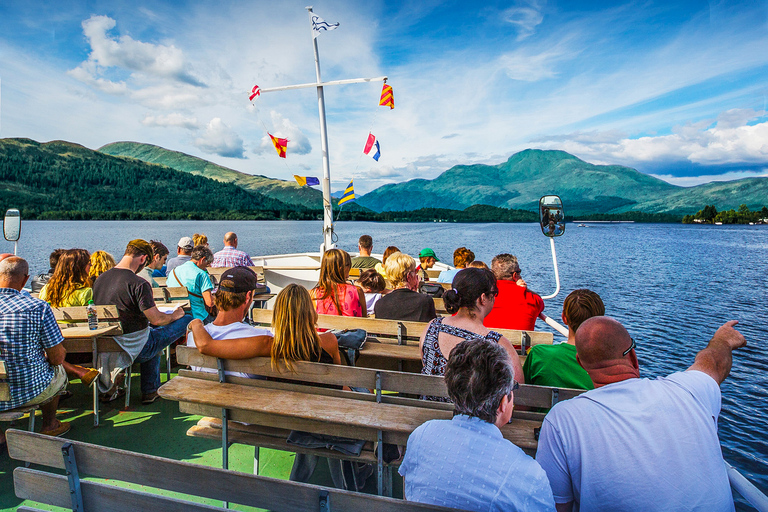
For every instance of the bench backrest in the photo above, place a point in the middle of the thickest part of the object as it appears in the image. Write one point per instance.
(353, 376)
(170, 294)
(5, 389)
(217, 271)
(79, 314)
(404, 332)
(166, 474)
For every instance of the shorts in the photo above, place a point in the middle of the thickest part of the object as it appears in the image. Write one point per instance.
(57, 385)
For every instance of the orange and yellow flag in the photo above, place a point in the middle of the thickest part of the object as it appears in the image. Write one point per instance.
(281, 145)
(387, 98)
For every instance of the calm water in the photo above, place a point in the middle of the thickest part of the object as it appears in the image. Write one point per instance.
(670, 285)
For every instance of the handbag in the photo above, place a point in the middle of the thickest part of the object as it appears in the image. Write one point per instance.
(351, 338)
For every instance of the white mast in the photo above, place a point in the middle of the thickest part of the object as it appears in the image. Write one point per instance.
(327, 205)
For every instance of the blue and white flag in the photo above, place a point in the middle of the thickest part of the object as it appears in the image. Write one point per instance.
(320, 25)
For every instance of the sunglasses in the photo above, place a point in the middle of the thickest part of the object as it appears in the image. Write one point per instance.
(633, 345)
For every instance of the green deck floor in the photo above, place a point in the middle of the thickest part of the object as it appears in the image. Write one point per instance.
(156, 429)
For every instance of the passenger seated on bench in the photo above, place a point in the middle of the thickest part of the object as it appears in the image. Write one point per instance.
(233, 300)
(333, 295)
(101, 261)
(465, 462)
(461, 258)
(37, 282)
(469, 300)
(373, 285)
(404, 302)
(556, 365)
(389, 251)
(193, 276)
(158, 262)
(70, 286)
(516, 306)
(32, 348)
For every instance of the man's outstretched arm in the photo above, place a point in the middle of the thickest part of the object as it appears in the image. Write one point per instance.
(715, 360)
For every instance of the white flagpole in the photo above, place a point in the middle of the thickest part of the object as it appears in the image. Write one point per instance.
(327, 205)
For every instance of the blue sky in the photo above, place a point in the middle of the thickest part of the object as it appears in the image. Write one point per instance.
(677, 90)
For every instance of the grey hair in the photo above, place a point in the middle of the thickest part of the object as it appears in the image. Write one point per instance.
(504, 265)
(202, 251)
(14, 267)
(479, 375)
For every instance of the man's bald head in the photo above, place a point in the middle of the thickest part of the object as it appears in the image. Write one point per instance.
(14, 272)
(5, 255)
(230, 239)
(600, 340)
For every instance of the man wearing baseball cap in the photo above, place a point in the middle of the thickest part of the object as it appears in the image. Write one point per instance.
(184, 252)
(427, 257)
(233, 298)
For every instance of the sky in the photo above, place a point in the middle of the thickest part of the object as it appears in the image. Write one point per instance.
(677, 90)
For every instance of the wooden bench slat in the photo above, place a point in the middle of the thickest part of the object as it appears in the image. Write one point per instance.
(53, 489)
(184, 477)
(79, 313)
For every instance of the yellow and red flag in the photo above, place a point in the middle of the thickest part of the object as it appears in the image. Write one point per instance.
(281, 145)
(387, 98)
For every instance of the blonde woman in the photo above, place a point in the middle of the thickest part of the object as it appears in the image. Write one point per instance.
(294, 323)
(101, 261)
(404, 302)
(333, 295)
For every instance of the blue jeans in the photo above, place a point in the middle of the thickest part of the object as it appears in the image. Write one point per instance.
(149, 357)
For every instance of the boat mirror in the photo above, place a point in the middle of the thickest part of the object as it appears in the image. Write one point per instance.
(12, 225)
(551, 216)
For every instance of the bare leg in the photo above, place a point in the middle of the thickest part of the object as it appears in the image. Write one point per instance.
(74, 371)
(49, 414)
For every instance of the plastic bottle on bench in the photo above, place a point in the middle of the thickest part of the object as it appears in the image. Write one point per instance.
(93, 320)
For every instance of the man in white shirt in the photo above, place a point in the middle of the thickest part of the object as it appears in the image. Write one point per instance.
(635, 444)
(233, 299)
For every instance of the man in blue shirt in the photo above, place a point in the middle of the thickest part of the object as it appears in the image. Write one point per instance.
(465, 462)
(193, 276)
(31, 347)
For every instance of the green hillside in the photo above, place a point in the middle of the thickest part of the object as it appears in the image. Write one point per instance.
(288, 192)
(585, 188)
(65, 180)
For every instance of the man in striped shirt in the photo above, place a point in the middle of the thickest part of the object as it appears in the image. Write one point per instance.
(230, 256)
(31, 347)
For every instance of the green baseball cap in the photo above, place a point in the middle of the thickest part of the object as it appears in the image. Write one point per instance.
(428, 253)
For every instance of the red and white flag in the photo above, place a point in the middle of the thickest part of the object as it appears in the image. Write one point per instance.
(254, 92)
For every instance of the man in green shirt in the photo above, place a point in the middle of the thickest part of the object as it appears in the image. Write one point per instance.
(556, 365)
(365, 260)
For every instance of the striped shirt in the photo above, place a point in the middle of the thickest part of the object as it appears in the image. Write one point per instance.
(230, 257)
(27, 328)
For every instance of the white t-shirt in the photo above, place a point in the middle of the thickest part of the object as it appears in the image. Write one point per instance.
(371, 298)
(638, 445)
(226, 332)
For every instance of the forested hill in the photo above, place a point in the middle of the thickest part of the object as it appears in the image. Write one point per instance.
(62, 180)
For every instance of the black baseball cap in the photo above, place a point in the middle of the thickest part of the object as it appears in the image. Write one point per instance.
(243, 279)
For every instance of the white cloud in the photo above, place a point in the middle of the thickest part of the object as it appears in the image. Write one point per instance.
(221, 140)
(730, 141)
(525, 16)
(690, 181)
(164, 61)
(298, 143)
(174, 120)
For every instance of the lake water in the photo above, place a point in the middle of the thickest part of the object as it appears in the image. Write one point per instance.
(670, 285)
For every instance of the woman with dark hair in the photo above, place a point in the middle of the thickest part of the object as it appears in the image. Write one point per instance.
(69, 286)
(373, 285)
(333, 295)
(469, 301)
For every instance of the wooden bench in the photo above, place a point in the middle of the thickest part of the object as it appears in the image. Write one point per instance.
(168, 295)
(79, 459)
(5, 396)
(272, 409)
(79, 339)
(398, 341)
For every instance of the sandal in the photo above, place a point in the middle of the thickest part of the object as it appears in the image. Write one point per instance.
(112, 395)
(62, 429)
(89, 378)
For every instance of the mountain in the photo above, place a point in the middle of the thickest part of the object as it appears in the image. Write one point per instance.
(584, 188)
(288, 192)
(64, 180)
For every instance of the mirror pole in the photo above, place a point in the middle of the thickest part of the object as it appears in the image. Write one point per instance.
(15, 246)
(554, 324)
(557, 274)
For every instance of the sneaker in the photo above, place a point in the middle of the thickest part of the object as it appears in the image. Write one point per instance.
(149, 398)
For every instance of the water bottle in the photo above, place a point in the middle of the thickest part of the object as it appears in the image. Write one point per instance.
(93, 320)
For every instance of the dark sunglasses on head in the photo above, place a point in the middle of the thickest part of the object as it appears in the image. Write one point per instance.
(633, 345)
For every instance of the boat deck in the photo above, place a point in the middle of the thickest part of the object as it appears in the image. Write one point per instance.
(156, 429)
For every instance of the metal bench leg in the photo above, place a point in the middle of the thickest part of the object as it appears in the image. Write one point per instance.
(380, 465)
(255, 460)
(128, 373)
(168, 363)
(388, 481)
(31, 429)
(73, 477)
(95, 404)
